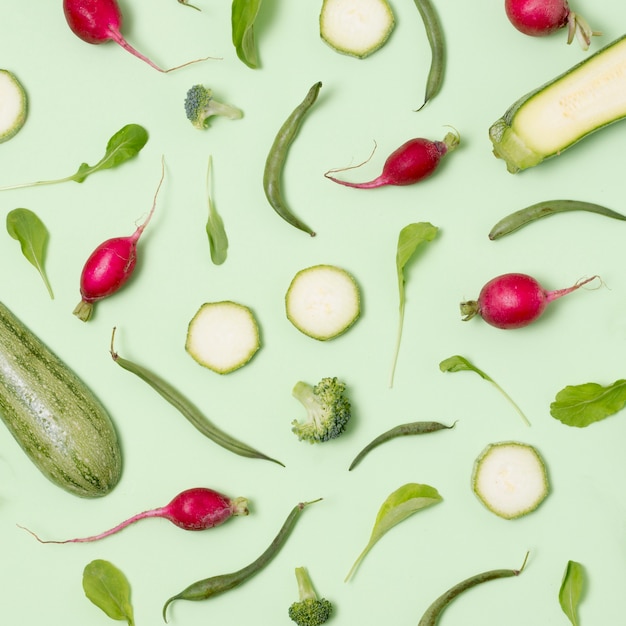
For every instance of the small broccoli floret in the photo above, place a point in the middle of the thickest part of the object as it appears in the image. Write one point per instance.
(200, 106)
(309, 610)
(328, 410)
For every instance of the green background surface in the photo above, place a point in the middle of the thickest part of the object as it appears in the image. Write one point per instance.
(80, 95)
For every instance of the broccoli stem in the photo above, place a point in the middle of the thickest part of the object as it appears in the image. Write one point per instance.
(305, 584)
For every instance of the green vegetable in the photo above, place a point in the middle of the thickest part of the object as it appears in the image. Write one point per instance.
(461, 364)
(108, 588)
(201, 107)
(581, 405)
(125, 144)
(411, 238)
(13, 105)
(412, 428)
(309, 609)
(510, 479)
(54, 416)
(399, 505)
(328, 410)
(218, 240)
(571, 591)
(529, 214)
(433, 612)
(26, 227)
(184, 2)
(223, 336)
(556, 115)
(243, 17)
(215, 585)
(323, 301)
(275, 162)
(356, 27)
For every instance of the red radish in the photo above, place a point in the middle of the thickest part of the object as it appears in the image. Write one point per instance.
(542, 17)
(411, 162)
(194, 509)
(513, 300)
(110, 265)
(100, 21)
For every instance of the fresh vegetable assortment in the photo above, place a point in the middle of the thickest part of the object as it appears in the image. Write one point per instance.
(213, 249)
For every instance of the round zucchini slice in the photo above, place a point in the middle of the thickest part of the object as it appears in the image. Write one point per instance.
(12, 105)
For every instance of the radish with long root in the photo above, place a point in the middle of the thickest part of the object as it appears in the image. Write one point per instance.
(110, 266)
(514, 300)
(198, 508)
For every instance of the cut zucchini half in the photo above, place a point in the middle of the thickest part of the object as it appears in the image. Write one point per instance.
(323, 301)
(12, 105)
(356, 27)
(546, 121)
(223, 336)
(510, 479)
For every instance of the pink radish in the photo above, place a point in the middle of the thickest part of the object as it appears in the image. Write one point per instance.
(411, 162)
(542, 17)
(513, 300)
(100, 21)
(109, 266)
(194, 509)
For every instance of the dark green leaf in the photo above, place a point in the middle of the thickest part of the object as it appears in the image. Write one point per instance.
(581, 405)
(218, 240)
(107, 587)
(571, 590)
(243, 16)
(24, 226)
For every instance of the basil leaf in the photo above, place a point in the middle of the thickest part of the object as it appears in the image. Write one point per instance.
(571, 591)
(402, 503)
(24, 226)
(243, 16)
(581, 405)
(107, 587)
(411, 237)
(218, 240)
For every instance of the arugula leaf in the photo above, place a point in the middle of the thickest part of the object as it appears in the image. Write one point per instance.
(581, 405)
(218, 240)
(107, 587)
(571, 591)
(243, 16)
(26, 227)
(411, 237)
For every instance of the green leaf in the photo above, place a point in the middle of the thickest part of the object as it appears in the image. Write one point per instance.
(571, 591)
(243, 16)
(107, 587)
(218, 240)
(581, 405)
(411, 237)
(402, 503)
(24, 226)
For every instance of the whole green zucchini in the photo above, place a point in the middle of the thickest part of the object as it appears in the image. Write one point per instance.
(54, 416)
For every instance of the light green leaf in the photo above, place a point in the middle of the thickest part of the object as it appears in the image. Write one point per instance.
(581, 405)
(26, 227)
(243, 16)
(571, 591)
(107, 587)
(218, 240)
(402, 503)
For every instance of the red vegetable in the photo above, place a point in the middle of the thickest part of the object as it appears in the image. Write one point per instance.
(109, 266)
(513, 300)
(194, 509)
(411, 162)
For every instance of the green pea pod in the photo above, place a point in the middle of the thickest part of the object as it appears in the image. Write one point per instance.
(434, 33)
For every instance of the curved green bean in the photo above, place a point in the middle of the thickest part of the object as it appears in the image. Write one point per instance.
(529, 214)
(275, 162)
(188, 409)
(434, 32)
(215, 585)
(411, 428)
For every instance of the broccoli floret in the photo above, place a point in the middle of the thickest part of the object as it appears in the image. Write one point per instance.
(309, 610)
(328, 410)
(200, 106)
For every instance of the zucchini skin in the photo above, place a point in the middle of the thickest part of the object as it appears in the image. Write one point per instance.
(508, 141)
(54, 416)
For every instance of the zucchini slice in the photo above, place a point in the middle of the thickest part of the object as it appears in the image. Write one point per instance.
(546, 121)
(12, 105)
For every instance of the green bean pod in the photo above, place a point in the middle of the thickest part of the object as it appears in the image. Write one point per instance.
(529, 214)
(275, 162)
(215, 585)
(188, 409)
(411, 428)
(433, 612)
(434, 33)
